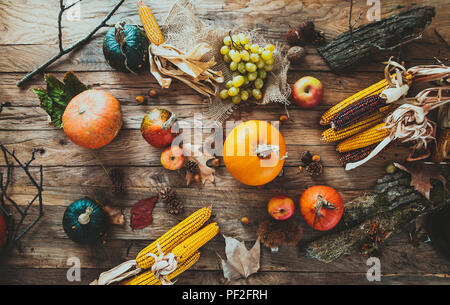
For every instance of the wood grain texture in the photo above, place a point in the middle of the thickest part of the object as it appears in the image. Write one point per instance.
(29, 37)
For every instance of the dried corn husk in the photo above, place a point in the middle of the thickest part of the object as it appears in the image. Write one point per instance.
(167, 62)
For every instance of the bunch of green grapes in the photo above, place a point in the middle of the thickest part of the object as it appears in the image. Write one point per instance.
(249, 64)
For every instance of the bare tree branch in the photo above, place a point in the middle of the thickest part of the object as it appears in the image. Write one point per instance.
(63, 51)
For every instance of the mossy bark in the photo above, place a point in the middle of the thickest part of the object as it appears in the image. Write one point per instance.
(352, 47)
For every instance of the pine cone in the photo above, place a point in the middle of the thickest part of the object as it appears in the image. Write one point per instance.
(175, 206)
(314, 168)
(167, 194)
(192, 167)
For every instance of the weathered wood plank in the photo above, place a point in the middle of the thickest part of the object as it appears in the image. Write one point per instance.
(125, 87)
(272, 17)
(25, 276)
(25, 47)
(400, 257)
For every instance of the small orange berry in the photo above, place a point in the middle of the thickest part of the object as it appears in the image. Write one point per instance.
(152, 93)
(300, 168)
(245, 221)
(284, 118)
(216, 162)
(316, 158)
(197, 178)
(140, 99)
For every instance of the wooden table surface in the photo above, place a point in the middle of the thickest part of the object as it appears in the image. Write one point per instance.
(29, 37)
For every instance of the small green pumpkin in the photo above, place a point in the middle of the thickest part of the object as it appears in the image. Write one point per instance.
(85, 221)
(125, 48)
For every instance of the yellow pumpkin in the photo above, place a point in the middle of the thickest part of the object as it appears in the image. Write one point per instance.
(254, 152)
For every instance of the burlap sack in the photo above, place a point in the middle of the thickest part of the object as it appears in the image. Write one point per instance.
(184, 30)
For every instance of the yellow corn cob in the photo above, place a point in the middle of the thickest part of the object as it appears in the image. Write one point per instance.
(368, 137)
(375, 89)
(173, 237)
(148, 278)
(151, 27)
(195, 241)
(330, 135)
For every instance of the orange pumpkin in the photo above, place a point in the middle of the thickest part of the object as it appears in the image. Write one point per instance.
(92, 119)
(322, 207)
(254, 152)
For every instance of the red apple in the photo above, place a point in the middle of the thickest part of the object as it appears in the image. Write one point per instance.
(172, 158)
(307, 92)
(281, 207)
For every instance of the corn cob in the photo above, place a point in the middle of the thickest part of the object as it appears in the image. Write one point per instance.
(356, 155)
(363, 139)
(148, 278)
(195, 241)
(173, 237)
(151, 27)
(353, 113)
(375, 89)
(330, 135)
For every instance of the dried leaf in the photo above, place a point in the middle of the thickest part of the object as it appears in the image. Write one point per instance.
(194, 153)
(141, 213)
(116, 216)
(421, 174)
(240, 261)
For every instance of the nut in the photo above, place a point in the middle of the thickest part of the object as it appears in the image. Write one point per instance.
(284, 118)
(296, 54)
(307, 29)
(140, 99)
(294, 37)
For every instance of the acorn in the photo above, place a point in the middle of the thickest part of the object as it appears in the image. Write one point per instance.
(140, 99)
(307, 29)
(284, 118)
(295, 54)
(294, 37)
(152, 93)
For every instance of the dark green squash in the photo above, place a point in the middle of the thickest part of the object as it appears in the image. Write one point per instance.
(125, 48)
(85, 221)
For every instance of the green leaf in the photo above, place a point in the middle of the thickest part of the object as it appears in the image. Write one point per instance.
(73, 85)
(57, 96)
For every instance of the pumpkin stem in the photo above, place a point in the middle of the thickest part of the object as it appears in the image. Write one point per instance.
(167, 124)
(85, 218)
(263, 151)
(119, 34)
(320, 203)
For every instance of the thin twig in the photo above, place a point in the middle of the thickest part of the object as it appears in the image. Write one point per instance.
(63, 51)
(447, 46)
(14, 233)
(350, 24)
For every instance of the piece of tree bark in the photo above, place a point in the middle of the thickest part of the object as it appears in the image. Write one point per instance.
(356, 45)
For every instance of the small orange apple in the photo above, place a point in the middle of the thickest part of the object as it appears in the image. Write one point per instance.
(281, 207)
(172, 158)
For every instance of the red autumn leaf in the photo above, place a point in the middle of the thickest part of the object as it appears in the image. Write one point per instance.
(421, 174)
(141, 213)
